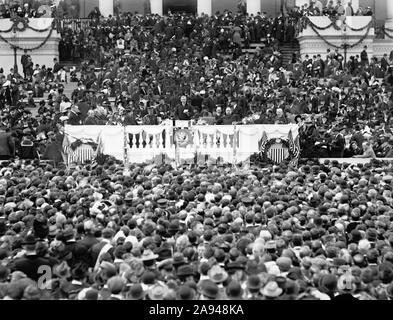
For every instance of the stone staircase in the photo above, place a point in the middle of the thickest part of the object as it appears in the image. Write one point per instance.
(253, 47)
(287, 49)
(68, 89)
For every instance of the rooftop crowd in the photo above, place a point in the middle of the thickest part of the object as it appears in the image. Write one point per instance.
(320, 231)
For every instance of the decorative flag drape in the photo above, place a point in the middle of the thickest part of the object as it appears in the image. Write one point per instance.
(229, 143)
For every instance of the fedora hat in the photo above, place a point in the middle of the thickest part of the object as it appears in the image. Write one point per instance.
(29, 240)
(271, 290)
(185, 292)
(158, 292)
(217, 274)
(163, 253)
(254, 282)
(178, 259)
(234, 291)
(209, 289)
(148, 255)
(185, 270)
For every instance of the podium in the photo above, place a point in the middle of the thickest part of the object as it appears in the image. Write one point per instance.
(33, 33)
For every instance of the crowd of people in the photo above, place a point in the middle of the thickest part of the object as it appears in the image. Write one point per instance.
(320, 232)
(183, 68)
(223, 31)
(334, 9)
(40, 8)
(100, 231)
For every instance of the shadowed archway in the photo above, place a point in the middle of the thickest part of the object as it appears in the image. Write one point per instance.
(188, 6)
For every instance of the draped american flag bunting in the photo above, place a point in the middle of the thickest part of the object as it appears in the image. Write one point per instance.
(66, 148)
(100, 144)
(82, 153)
(293, 145)
(277, 153)
(263, 142)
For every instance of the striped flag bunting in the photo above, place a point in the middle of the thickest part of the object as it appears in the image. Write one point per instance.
(293, 145)
(263, 142)
(277, 154)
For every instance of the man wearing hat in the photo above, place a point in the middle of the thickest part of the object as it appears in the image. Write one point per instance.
(31, 262)
(338, 145)
(23, 60)
(27, 148)
(104, 246)
(209, 290)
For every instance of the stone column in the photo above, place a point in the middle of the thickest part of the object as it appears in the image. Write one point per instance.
(389, 14)
(253, 7)
(204, 6)
(156, 7)
(106, 7)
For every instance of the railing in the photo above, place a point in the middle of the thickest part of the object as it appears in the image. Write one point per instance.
(352, 161)
(139, 144)
(73, 24)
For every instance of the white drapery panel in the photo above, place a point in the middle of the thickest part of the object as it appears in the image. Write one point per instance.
(152, 140)
(250, 135)
(112, 137)
(220, 137)
(113, 141)
(150, 137)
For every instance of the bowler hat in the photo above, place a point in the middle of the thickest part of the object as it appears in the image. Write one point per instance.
(29, 240)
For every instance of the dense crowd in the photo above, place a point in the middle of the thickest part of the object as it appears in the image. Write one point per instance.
(186, 71)
(323, 232)
(334, 9)
(274, 232)
(223, 31)
(167, 68)
(40, 8)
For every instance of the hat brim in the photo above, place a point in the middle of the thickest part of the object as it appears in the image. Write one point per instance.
(151, 257)
(270, 294)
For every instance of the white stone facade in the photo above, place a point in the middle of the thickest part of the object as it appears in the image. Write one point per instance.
(29, 39)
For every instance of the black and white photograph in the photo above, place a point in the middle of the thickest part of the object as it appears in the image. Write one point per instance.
(214, 151)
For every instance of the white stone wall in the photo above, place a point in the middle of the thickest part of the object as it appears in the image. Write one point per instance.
(312, 44)
(29, 39)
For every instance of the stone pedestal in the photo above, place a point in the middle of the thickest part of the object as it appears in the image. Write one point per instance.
(389, 14)
(29, 39)
(106, 7)
(204, 6)
(156, 7)
(253, 7)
